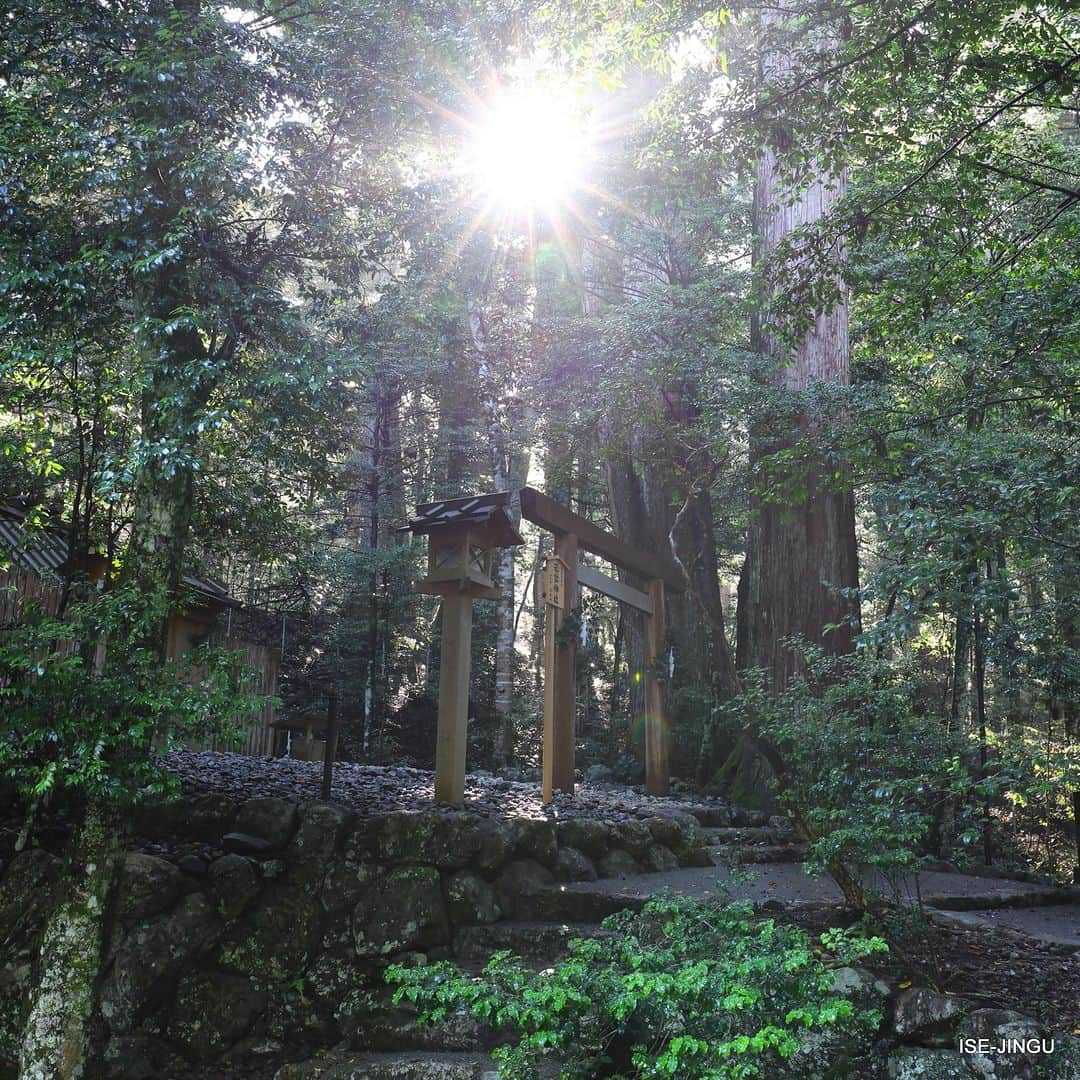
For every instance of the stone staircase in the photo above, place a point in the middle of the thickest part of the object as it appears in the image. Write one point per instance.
(397, 1046)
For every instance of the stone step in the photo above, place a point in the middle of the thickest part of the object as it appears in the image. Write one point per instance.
(379, 1025)
(761, 834)
(558, 904)
(742, 854)
(530, 940)
(398, 1065)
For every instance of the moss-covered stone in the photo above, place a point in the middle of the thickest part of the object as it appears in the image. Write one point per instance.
(618, 863)
(520, 877)
(275, 940)
(234, 882)
(677, 831)
(205, 817)
(497, 842)
(574, 865)
(591, 837)
(658, 859)
(212, 1011)
(536, 840)
(315, 844)
(449, 841)
(151, 954)
(271, 819)
(470, 899)
(148, 886)
(632, 836)
(142, 1057)
(399, 910)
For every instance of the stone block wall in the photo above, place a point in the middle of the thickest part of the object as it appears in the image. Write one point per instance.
(239, 927)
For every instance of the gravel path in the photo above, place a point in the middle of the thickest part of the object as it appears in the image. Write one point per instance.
(379, 789)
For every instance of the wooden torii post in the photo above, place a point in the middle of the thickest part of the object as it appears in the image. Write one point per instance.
(461, 536)
(574, 533)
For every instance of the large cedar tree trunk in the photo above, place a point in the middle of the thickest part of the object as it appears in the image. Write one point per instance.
(799, 554)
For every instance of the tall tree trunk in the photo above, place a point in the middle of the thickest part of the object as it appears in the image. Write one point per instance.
(801, 553)
(57, 1043)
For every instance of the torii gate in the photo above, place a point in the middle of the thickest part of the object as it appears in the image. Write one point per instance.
(574, 533)
(461, 533)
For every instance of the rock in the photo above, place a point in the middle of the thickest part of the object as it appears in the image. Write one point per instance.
(142, 1057)
(193, 865)
(334, 976)
(520, 877)
(246, 844)
(852, 983)
(573, 865)
(316, 840)
(999, 1044)
(634, 836)
(598, 774)
(371, 1021)
(824, 1053)
(35, 873)
(204, 817)
(497, 843)
(150, 955)
(586, 835)
(448, 840)
(212, 1011)
(470, 899)
(781, 827)
(714, 816)
(148, 885)
(271, 819)
(362, 840)
(928, 1018)
(915, 1063)
(939, 866)
(659, 860)
(398, 910)
(536, 840)
(235, 883)
(617, 863)
(744, 817)
(680, 832)
(277, 937)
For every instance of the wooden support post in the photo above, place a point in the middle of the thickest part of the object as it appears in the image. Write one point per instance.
(656, 733)
(566, 547)
(552, 615)
(453, 698)
(330, 752)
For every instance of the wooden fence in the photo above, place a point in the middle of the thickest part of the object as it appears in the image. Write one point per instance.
(19, 588)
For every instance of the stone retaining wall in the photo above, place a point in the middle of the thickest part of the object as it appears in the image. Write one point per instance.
(241, 927)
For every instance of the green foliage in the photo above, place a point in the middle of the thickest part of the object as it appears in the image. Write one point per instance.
(684, 989)
(863, 774)
(84, 702)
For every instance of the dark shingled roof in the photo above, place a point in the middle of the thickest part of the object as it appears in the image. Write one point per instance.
(478, 510)
(45, 551)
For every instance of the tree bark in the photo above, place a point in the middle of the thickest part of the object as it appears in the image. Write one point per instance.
(799, 554)
(57, 1039)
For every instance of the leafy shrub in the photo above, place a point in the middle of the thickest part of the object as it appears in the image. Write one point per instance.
(865, 778)
(84, 700)
(684, 989)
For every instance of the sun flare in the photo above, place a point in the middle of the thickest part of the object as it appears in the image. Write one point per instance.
(528, 150)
